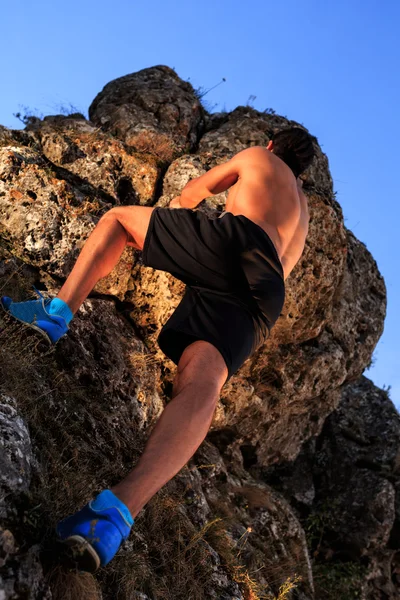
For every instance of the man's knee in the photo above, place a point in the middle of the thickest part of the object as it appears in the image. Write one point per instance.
(119, 214)
(135, 220)
(111, 216)
(202, 366)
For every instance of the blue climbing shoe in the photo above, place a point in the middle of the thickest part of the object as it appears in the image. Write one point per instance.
(34, 313)
(93, 535)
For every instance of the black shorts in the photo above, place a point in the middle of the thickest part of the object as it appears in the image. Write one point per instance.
(234, 281)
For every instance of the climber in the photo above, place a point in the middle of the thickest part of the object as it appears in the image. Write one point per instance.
(234, 268)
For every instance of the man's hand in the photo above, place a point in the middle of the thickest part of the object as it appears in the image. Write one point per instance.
(175, 203)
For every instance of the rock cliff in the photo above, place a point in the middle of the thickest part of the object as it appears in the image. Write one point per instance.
(295, 493)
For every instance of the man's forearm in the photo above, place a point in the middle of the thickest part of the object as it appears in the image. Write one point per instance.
(216, 180)
(192, 194)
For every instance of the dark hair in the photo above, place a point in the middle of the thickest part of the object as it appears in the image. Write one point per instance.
(295, 147)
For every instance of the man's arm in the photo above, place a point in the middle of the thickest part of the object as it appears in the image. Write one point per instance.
(213, 182)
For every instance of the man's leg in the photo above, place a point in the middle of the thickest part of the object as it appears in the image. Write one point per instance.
(120, 226)
(95, 533)
(181, 427)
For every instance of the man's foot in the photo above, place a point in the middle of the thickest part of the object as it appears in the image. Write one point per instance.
(34, 313)
(94, 534)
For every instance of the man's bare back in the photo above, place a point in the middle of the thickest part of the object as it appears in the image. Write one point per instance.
(268, 194)
(263, 189)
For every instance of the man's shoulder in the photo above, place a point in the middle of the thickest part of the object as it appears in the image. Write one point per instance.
(254, 150)
(259, 160)
(254, 154)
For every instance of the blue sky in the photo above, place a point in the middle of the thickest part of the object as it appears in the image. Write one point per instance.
(332, 66)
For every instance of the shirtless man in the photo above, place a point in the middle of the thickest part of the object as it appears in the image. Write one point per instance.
(234, 268)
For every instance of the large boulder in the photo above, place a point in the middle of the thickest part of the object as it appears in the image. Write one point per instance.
(151, 110)
(105, 163)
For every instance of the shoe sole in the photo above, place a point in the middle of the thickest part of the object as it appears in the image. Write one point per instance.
(81, 554)
(30, 325)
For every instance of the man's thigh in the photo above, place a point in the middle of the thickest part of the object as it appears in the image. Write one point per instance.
(135, 220)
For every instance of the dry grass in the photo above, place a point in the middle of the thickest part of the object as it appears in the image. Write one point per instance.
(158, 144)
(288, 586)
(144, 364)
(216, 533)
(77, 208)
(283, 576)
(219, 539)
(68, 585)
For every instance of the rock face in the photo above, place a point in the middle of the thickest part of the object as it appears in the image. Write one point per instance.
(21, 574)
(98, 159)
(16, 454)
(345, 483)
(295, 428)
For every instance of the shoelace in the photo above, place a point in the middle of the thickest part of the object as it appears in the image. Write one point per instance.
(46, 301)
(43, 303)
